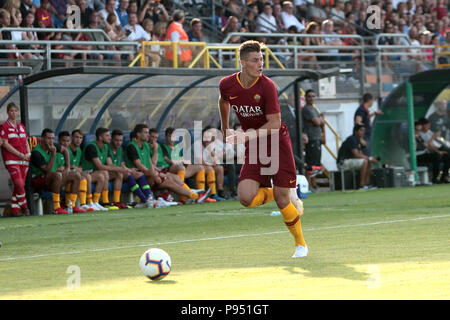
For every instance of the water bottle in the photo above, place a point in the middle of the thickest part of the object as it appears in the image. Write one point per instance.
(69, 207)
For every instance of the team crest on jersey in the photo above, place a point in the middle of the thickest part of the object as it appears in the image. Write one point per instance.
(257, 97)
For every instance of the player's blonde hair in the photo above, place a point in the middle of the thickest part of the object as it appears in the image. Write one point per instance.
(249, 46)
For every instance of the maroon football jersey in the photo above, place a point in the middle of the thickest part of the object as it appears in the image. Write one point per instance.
(252, 104)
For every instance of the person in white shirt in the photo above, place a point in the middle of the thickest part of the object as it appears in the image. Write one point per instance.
(137, 33)
(288, 17)
(266, 21)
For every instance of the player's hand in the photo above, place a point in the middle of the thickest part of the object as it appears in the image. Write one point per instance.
(52, 148)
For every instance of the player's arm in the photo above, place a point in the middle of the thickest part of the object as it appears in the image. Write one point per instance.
(224, 110)
(154, 158)
(134, 157)
(13, 150)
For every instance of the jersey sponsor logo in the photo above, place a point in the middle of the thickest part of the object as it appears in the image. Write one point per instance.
(247, 111)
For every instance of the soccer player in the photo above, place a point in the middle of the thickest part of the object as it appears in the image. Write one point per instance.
(43, 168)
(170, 159)
(254, 98)
(135, 179)
(71, 178)
(138, 156)
(75, 154)
(95, 158)
(16, 155)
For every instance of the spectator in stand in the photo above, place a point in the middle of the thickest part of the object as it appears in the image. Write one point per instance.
(278, 18)
(338, 11)
(18, 35)
(5, 21)
(316, 13)
(195, 33)
(312, 28)
(220, 20)
(234, 7)
(301, 6)
(43, 15)
(27, 6)
(176, 33)
(80, 36)
(112, 29)
(137, 33)
(249, 22)
(266, 21)
(133, 7)
(160, 30)
(28, 22)
(153, 10)
(328, 29)
(85, 13)
(232, 26)
(58, 9)
(288, 17)
(152, 52)
(96, 36)
(122, 13)
(110, 9)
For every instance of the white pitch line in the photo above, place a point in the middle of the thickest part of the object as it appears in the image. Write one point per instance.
(219, 238)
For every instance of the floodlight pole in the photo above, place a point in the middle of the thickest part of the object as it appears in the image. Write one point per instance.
(411, 134)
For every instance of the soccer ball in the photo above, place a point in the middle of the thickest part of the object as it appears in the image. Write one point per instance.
(155, 263)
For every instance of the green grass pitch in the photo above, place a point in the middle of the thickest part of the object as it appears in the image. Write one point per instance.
(381, 244)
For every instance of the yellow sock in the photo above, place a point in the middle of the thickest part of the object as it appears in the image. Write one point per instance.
(263, 196)
(200, 180)
(68, 188)
(116, 195)
(105, 196)
(96, 197)
(211, 181)
(56, 199)
(181, 174)
(72, 197)
(292, 221)
(186, 187)
(193, 195)
(82, 192)
(89, 198)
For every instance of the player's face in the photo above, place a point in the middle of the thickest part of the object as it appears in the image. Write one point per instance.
(13, 113)
(49, 139)
(64, 141)
(252, 64)
(117, 141)
(77, 139)
(360, 132)
(106, 137)
(143, 135)
(153, 137)
(310, 98)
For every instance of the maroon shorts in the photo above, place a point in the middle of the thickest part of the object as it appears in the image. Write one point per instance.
(39, 182)
(285, 176)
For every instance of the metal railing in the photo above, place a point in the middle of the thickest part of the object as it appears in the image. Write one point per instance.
(46, 50)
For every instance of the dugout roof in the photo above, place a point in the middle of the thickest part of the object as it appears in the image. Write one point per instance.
(121, 97)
